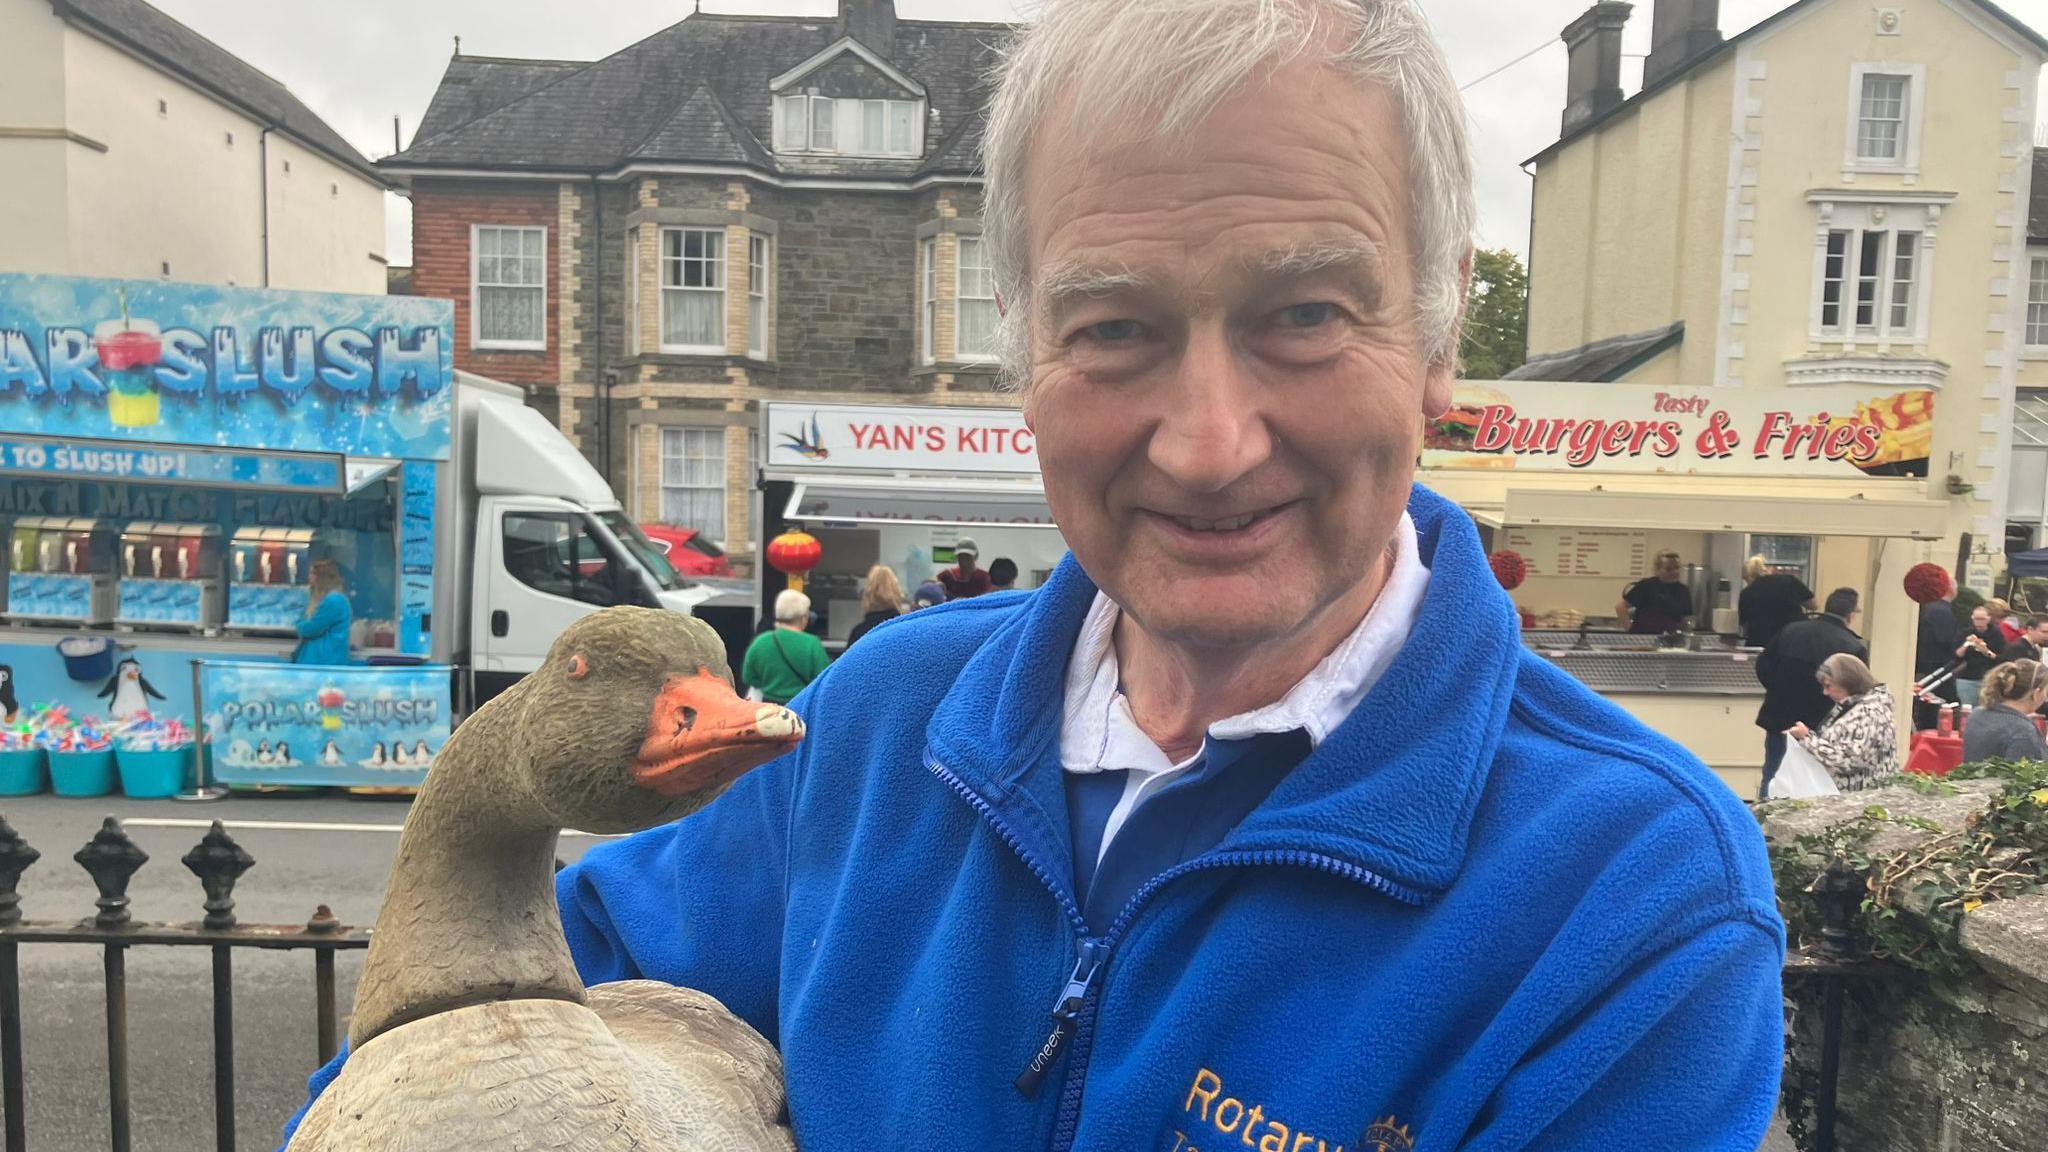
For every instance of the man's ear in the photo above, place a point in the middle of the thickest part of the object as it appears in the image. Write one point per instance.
(1436, 384)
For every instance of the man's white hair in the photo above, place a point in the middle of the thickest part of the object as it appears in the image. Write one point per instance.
(1169, 63)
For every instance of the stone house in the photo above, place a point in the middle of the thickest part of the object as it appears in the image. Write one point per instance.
(733, 210)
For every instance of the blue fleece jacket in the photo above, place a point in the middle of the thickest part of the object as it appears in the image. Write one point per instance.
(1491, 911)
(323, 635)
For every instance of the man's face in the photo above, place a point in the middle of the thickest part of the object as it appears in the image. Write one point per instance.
(1980, 618)
(1228, 383)
(1667, 569)
(2039, 632)
(966, 562)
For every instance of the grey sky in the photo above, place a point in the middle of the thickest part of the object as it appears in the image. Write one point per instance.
(359, 62)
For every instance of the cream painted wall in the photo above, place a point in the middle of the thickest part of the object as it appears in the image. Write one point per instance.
(1626, 232)
(168, 189)
(32, 207)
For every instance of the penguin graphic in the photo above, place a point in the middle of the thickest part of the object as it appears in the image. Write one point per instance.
(263, 755)
(128, 687)
(420, 756)
(9, 706)
(331, 754)
(400, 758)
(376, 759)
(284, 755)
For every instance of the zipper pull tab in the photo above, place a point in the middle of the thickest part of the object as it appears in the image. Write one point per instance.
(1065, 1011)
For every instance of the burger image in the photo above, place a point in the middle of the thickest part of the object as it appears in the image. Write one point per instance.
(1447, 440)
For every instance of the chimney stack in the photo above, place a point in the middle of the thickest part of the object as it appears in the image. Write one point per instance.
(872, 22)
(1592, 85)
(1679, 31)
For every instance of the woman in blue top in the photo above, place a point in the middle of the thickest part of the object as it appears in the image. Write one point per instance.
(323, 633)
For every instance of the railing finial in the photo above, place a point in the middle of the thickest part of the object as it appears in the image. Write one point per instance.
(15, 857)
(218, 862)
(112, 858)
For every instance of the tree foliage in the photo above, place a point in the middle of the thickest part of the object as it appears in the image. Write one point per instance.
(1496, 315)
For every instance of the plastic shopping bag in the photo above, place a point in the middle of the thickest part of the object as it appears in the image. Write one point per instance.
(1800, 775)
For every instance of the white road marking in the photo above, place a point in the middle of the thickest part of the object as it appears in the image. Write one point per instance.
(298, 826)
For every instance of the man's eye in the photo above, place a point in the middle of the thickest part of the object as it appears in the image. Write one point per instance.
(1307, 315)
(1113, 331)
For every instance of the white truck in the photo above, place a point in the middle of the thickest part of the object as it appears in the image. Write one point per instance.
(531, 539)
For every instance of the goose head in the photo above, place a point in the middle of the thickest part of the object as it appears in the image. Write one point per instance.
(632, 722)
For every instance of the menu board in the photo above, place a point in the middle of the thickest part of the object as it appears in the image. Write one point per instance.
(1614, 552)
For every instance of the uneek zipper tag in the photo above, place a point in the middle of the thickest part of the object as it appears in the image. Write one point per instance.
(1065, 1011)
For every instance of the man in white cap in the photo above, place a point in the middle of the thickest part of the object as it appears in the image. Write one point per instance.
(965, 579)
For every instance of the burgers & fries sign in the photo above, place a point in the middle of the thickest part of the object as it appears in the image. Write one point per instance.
(1538, 426)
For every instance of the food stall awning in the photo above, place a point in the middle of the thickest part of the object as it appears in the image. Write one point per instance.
(1857, 515)
(948, 502)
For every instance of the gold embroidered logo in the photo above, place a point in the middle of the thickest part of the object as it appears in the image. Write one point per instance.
(1387, 1135)
(1212, 1118)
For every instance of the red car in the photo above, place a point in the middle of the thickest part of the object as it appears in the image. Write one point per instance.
(690, 553)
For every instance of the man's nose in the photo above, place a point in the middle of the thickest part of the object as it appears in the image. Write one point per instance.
(1212, 430)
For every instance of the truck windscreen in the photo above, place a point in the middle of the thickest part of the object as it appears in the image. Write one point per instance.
(643, 550)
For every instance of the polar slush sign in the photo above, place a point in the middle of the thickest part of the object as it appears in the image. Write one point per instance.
(226, 367)
(268, 723)
(852, 437)
(1538, 426)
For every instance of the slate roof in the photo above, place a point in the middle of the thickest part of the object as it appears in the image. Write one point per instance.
(2011, 22)
(1602, 361)
(694, 92)
(474, 85)
(2037, 199)
(181, 52)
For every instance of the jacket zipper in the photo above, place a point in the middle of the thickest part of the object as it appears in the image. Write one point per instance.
(1073, 1013)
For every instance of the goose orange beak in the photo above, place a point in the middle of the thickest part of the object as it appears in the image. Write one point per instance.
(703, 735)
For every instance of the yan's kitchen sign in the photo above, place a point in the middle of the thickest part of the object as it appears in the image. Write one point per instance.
(1537, 426)
(858, 437)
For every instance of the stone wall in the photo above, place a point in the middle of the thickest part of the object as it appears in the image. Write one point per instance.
(1930, 1061)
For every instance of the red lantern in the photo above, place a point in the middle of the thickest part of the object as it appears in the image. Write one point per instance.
(1509, 568)
(794, 553)
(1926, 583)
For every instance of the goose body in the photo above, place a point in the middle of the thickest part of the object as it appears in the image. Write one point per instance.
(471, 1030)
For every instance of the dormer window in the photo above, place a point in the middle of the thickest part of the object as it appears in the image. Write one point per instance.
(846, 127)
(847, 101)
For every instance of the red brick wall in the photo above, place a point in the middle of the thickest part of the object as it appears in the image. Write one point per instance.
(442, 212)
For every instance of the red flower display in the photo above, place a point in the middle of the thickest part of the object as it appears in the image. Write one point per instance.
(1926, 583)
(1509, 568)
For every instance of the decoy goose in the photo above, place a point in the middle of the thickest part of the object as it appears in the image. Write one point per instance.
(471, 1028)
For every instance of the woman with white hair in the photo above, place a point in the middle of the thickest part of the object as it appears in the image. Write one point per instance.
(1859, 740)
(782, 660)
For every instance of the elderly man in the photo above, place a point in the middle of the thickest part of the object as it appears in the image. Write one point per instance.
(1241, 831)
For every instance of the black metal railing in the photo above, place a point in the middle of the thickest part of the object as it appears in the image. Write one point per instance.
(112, 859)
(1839, 892)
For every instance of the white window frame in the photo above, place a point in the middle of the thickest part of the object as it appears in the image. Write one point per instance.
(663, 287)
(1908, 160)
(960, 244)
(476, 288)
(2037, 303)
(716, 433)
(759, 273)
(633, 290)
(1856, 219)
(928, 299)
(847, 120)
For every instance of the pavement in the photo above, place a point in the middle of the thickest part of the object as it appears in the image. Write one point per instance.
(309, 850)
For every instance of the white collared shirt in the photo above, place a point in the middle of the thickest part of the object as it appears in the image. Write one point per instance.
(1099, 734)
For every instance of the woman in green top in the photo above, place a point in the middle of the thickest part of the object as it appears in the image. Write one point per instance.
(783, 659)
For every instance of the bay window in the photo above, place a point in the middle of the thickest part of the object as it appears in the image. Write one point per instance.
(757, 296)
(927, 299)
(2037, 301)
(974, 325)
(693, 290)
(693, 480)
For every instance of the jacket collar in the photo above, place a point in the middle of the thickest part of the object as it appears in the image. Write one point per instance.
(1391, 791)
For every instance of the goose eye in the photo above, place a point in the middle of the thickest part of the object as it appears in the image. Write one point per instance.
(578, 667)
